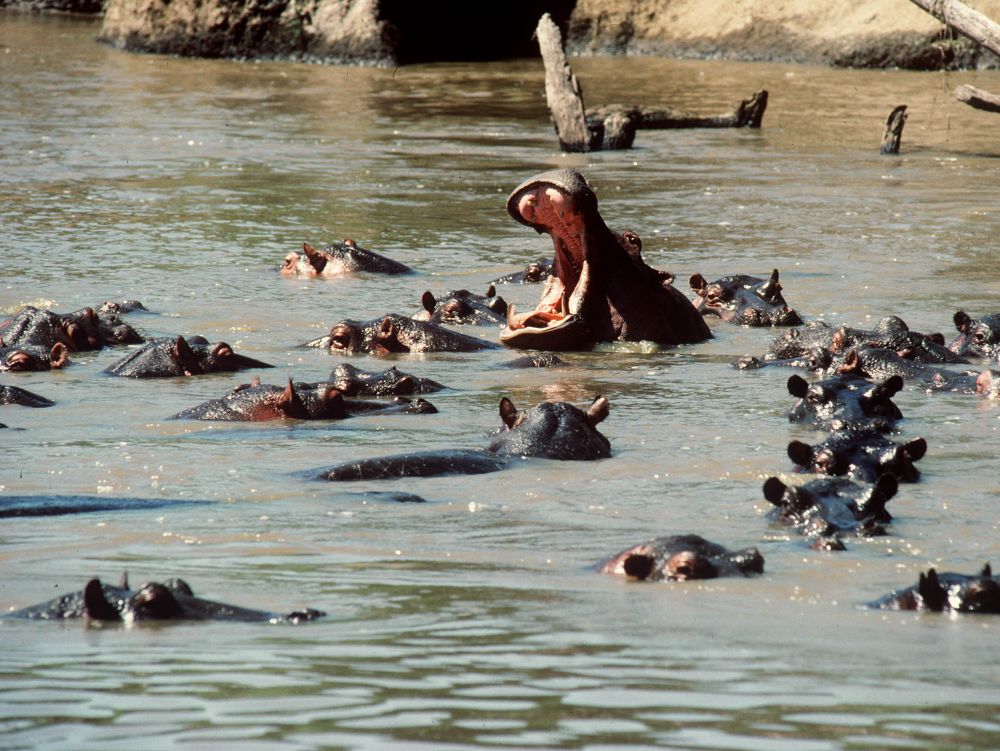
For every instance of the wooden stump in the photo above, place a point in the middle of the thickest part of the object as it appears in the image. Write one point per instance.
(562, 90)
(893, 130)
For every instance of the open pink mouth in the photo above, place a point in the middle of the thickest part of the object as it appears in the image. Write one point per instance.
(552, 210)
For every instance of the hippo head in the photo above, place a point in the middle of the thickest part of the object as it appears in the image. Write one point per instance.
(978, 337)
(553, 430)
(220, 357)
(600, 289)
(562, 204)
(683, 558)
(29, 359)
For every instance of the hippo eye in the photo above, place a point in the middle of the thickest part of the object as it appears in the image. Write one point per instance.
(456, 309)
(980, 337)
(816, 396)
(715, 292)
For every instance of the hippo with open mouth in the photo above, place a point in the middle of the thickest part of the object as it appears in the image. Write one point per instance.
(600, 289)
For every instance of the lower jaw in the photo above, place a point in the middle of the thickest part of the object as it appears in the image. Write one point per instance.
(568, 335)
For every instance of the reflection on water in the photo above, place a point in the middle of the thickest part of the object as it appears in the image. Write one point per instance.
(477, 619)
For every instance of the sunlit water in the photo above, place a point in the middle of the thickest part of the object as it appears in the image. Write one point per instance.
(476, 620)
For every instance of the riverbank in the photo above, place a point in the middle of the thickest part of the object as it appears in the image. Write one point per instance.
(841, 33)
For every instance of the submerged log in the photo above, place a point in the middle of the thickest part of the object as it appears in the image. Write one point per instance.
(893, 130)
(748, 114)
(562, 90)
(981, 100)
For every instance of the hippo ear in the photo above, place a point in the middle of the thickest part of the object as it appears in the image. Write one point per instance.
(95, 605)
(772, 289)
(698, 284)
(774, 490)
(800, 453)
(58, 355)
(491, 291)
(497, 304)
(123, 582)
(798, 386)
(851, 363)
(887, 485)
(428, 301)
(931, 591)
(873, 503)
(316, 259)
(405, 385)
(962, 321)
(508, 412)
(387, 329)
(639, 566)
(891, 386)
(937, 337)
(598, 410)
(290, 403)
(915, 449)
(184, 356)
(335, 405)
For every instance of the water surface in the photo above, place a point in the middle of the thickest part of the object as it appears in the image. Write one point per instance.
(476, 620)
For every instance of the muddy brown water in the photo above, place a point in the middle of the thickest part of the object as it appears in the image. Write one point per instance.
(476, 620)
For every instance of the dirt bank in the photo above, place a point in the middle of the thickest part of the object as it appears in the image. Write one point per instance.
(873, 33)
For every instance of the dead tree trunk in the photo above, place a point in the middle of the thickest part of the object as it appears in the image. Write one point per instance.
(965, 20)
(562, 90)
(981, 100)
(893, 130)
(977, 27)
(614, 127)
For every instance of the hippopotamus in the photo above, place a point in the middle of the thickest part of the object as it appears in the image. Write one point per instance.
(845, 401)
(338, 258)
(535, 272)
(393, 333)
(256, 402)
(30, 357)
(537, 360)
(16, 395)
(744, 300)
(59, 505)
(171, 600)
(118, 307)
(878, 362)
(681, 558)
(817, 360)
(461, 307)
(977, 337)
(864, 455)
(80, 331)
(166, 357)
(352, 381)
(824, 508)
(551, 430)
(890, 332)
(955, 593)
(601, 290)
